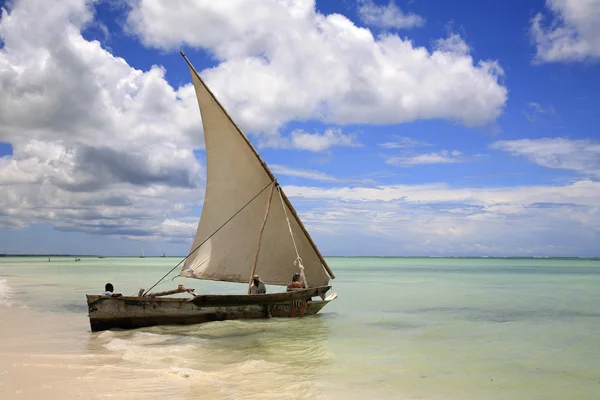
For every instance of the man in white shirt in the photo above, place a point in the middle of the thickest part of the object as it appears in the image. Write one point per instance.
(258, 287)
(109, 289)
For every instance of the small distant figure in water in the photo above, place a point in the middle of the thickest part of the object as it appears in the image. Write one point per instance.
(298, 306)
(109, 291)
(258, 287)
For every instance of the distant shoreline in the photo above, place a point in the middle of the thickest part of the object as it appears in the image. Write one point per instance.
(444, 257)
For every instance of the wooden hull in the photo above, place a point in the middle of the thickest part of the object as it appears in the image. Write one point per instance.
(135, 312)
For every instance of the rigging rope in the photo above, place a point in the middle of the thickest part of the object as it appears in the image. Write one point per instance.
(298, 260)
(211, 235)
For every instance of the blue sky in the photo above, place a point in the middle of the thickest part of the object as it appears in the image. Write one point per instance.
(396, 128)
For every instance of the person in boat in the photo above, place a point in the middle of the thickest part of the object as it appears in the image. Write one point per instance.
(298, 306)
(109, 291)
(258, 287)
(296, 283)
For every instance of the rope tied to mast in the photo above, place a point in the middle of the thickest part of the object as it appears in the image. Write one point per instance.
(298, 261)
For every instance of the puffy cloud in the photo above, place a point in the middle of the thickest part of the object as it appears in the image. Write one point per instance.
(573, 34)
(58, 86)
(114, 200)
(388, 16)
(281, 60)
(581, 156)
(100, 190)
(98, 146)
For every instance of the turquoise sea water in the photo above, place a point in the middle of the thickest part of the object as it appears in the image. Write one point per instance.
(401, 328)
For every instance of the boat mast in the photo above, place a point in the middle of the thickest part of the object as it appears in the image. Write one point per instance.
(266, 168)
(260, 234)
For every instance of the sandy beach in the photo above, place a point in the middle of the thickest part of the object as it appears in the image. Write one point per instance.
(44, 355)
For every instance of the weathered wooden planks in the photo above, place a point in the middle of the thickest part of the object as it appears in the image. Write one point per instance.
(134, 312)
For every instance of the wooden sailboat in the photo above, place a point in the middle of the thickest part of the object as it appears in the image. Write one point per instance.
(248, 226)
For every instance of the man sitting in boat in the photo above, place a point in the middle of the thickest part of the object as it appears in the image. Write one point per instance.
(109, 289)
(258, 287)
(296, 283)
(298, 306)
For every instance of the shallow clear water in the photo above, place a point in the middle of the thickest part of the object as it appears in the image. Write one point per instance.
(401, 328)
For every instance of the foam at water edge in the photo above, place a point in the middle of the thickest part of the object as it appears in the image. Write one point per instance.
(183, 372)
(5, 294)
(147, 348)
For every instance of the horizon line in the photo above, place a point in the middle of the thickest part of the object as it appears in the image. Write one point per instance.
(328, 256)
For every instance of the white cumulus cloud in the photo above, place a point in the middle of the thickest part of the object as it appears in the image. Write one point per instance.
(98, 146)
(281, 60)
(572, 33)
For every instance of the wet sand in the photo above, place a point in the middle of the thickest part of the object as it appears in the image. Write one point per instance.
(29, 367)
(53, 356)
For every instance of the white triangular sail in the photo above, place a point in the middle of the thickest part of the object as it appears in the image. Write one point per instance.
(235, 175)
